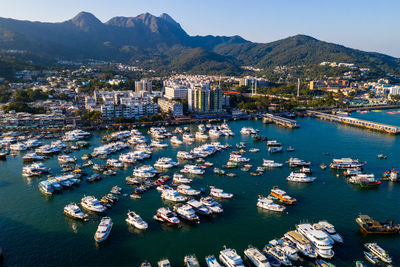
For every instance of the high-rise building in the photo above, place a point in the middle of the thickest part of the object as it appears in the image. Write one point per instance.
(203, 100)
(143, 86)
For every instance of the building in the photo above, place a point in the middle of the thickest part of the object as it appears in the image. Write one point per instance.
(216, 101)
(203, 99)
(253, 81)
(143, 86)
(137, 110)
(172, 92)
(167, 105)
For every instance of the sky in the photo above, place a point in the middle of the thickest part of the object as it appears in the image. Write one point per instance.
(369, 25)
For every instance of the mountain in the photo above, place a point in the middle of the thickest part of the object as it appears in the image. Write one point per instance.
(161, 43)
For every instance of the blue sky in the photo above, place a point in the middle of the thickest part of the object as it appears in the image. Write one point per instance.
(370, 25)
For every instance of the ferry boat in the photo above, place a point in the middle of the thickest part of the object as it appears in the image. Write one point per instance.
(271, 164)
(186, 212)
(103, 230)
(219, 193)
(135, 220)
(281, 195)
(320, 241)
(302, 244)
(199, 207)
(166, 215)
(93, 204)
(370, 226)
(256, 257)
(180, 179)
(187, 190)
(268, 204)
(212, 261)
(46, 187)
(74, 211)
(346, 163)
(329, 229)
(213, 205)
(296, 162)
(378, 252)
(172, 195)
(230, 258)
(300, 178)
(191, 261)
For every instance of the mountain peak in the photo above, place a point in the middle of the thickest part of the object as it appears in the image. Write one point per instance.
(85, 20)
(169, 19)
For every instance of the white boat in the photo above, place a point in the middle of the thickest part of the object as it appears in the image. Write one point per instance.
(74, 211)
(300, 178)
(191, 261)
(238, 158)
(172, 195)
(158, 144)
(346, 163)
(256, 257)
(219, 193)
(184, 155)
(46, 187)
(188, 138)
(114, 163)
(248, 131)
(186, 212)
(93, 204)
(199, 207)
(164, 263)
(165, 163)
(271, 164)
(103, 230)
(201, 136)
(230, 258)
(213, 205)
(135, 220)
(212, 261)
(65, 159)
(274, 149)
(329, 229)
(175, 141)
(320, 241)
(302, 244)
(166, 215)
(268, 204)
(127, 158)
(192, 169)
(18, 147)
(272, 143)
(378, 252)
(29, 157)
(214, 133)
(187, 190)
(296, 162)
(180, 179)
(277, 253)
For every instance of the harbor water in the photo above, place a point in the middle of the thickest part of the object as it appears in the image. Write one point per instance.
(35, 232)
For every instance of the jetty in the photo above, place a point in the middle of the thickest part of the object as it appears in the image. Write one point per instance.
(356, 122)
(269, 118)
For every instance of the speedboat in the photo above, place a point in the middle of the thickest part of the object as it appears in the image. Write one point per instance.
(187, 212)
(256, 257)
(93, 204)
(300, 178)
(166, 215)
(370, 257)
(158, 144)
(135, 220)
(199, 207)
(213, 205)
(268, 204)
(230, 258)
(103, 230)
(72, 210)
(219, 193)
(165, 163)
(329, 229)
(212, 261)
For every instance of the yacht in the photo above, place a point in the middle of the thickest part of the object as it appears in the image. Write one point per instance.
(166, 215)
(40, 167)
(172, 195)
(127, 158)
(141, 173)
(219, 193)
(320, 241)
(46, 187)
(180, 179)
(175, 141)
(29, 157)
(74, 211)
(191, 261)
(248, 131)
(18, 147)
(214, 133)
(32, 143)
(184, 155)
(230, 258)
(274, 149)
(268, 204)
(300, 178)
(187, 190)
(302, 244)
(165, 163)
(93, 204)
(277, 253)
(66, 159)
(164, 263)
(256, 257)
(188, 138)
(114, 163)
(272, 143)
(201, 136)
(296, 162)
(212, 261)
(186, 212)
(202, 128)
(271, 164)
(135, 220)
(103, 230)
(238, 158)
(346, 163)
(213, 205)
(199, 207)
(378, 252)
(192, 169)
(329, 229)
(29, 171)
(281, 195)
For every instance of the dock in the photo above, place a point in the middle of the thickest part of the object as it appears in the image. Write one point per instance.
(356, 122)
(269, 118)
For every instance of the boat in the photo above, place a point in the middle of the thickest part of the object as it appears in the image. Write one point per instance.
(323, 166)
(192, 169)
(256, 257)
(145, 264)
(180, 179)
(345, 163)
(271, 164)
(212, 261)
(187, 190)
(248, 131)
(322, 263)
(277, 254)
(201, 136)
(158, 144)
(208, 164)
(296, 162)
(230, 258)
(164, 263)
(188, 138)
(219, 171)
(166, 215)
(93, 204)
(272, 143)
(199, 207)
(29, 157)
(281, 195)
(219, 193)
(275, 149)
(165, 163)
(254, 150)
(320, 241)
(175, 141)
(66, 159)
(381, 156)
(213, 205)
(135, 220)
(238, 158)
(329, 229)
(46, 187)
(378, 252)
(191, 261)
(360, 264)
(302, 244)
(172, 195)
(300, 178)
(289, 149)
(114, 163)
(74, 211)
(370, 257)
(103, 230)
(268, 204)
(187, 212)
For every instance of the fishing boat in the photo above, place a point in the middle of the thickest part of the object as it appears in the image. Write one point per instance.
(135, 220)
(103, 230)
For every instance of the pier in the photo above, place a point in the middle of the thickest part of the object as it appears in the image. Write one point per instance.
(269, 118)
(357, 122)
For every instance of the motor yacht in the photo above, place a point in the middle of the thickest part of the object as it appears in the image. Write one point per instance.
(213, 205)
(164, 263)
(175, 141)
(103, 230)
(66, 159)
(166, 215)
(192, 169)
(180, 179)
(185, 155)
(302, 244)
(212, 261)
(114, 163)
(127, 158)
(256, 257)
(74, 211)
(46, 187)
(214, 133)
(18, 147)
(93, 204)
(268, 204)
(238, 158)
(346, 163)
(201, 136)
(230, 258)
(191, 261)
(329, 229)
(172, 195)
(300, 178)
(277, 254)
(296, 162)
(29, 157)
(188, 138)
(378, 252)
(320, 241)
(271, 164)
(187, 190)
(158, 144)
(186, 212)
(219, 193)
(165, 163)
(199, 207)
(135, 220)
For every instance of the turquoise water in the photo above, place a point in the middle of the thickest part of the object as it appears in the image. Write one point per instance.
(34, 230)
